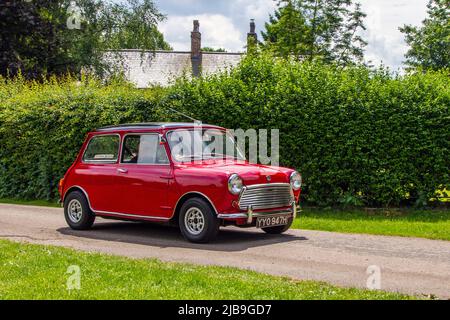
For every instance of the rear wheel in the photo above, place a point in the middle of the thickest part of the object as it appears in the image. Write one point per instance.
(77, 212)
(278, 229)
(198, 222)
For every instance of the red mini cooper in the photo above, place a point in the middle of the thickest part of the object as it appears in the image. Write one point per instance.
(168, 172)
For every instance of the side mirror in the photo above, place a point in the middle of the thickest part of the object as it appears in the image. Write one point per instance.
(162, 139)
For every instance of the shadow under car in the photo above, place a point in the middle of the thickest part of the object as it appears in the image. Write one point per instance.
(164, 236)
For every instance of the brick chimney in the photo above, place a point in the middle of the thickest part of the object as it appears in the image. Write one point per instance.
(196, 49)
(252, 37)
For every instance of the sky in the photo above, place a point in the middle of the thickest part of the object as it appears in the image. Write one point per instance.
(225, 23)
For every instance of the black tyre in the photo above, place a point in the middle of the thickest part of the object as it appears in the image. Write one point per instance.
(278, 229)
(77, 212)
(198, 222)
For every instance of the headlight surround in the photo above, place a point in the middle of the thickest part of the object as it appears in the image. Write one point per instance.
(296, 180)
(235, 184)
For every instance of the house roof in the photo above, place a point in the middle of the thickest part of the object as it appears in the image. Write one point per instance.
(162, 68)
(147, 68)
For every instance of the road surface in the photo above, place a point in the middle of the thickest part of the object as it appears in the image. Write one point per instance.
(408, 265)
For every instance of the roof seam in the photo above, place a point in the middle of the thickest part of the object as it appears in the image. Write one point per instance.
(148, 125)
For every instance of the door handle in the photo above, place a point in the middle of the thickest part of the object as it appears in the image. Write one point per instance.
(120, 170)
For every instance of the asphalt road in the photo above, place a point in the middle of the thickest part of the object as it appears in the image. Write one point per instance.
(408, 265)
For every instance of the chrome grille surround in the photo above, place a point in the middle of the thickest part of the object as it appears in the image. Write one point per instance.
(266, 196)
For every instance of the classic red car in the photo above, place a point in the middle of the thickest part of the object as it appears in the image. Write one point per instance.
(151, 172)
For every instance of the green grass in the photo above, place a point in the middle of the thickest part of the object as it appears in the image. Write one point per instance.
(431, 224)
(42, 203)
(40, 272)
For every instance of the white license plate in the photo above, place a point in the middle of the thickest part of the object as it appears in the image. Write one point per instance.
(263, 222)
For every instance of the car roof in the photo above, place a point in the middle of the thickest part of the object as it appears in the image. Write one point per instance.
(152, 125)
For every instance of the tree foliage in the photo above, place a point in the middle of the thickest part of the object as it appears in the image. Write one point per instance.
(429, 45)
(209, 49)
(134, 26)
(325, 29)
(44, 37)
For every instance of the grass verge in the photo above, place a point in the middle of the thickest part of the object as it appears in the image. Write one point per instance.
(431, 224)
(41, 272)
(41, 203)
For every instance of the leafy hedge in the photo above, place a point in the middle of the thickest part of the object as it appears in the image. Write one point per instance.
(357, 136)
(42, 127)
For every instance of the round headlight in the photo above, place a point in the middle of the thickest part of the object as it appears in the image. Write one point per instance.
(296, 180)
(235, 184)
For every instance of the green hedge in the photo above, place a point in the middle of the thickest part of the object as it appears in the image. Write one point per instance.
(42, 127)
(357, 136)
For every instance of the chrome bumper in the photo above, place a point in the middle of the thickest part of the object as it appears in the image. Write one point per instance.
(249, 215)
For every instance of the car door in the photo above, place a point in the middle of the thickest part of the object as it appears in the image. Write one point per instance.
(143, 176)
(97, 170)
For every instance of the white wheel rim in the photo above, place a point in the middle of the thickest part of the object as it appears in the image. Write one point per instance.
(75, 211)
(194, 220)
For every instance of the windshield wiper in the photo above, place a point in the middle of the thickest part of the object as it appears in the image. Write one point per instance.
(217, 155)
(207, 156)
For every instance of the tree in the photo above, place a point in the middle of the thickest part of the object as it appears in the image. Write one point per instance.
(286, 32)
(429, 45)
(317, 29)
(27, 40)
(134, 26)
(44, 37)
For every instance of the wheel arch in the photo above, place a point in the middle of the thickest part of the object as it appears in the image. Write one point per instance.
(80, 189)
(189, 195)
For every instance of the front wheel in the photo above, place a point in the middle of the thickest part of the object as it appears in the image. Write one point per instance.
(198, 222)
(278, 229)
(77, 212)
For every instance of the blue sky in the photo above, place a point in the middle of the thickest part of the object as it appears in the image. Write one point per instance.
(225, 23)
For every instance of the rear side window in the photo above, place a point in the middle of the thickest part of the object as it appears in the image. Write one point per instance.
(144, 149)
(103, 149)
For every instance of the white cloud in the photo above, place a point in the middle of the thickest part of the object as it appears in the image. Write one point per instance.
(384, 17)
(218, 31)
(255, 9)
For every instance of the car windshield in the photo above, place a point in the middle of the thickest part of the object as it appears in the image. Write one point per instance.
(198, 144)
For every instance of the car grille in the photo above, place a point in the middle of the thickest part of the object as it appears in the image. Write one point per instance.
(266, 196)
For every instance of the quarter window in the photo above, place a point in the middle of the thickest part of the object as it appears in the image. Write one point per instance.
(143, 149)
(102, 149)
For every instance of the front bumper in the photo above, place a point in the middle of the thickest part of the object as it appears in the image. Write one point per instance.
(249, 215)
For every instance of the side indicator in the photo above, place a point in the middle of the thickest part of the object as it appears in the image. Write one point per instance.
(60, 186)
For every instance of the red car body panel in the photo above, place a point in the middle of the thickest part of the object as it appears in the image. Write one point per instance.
(152, 192)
